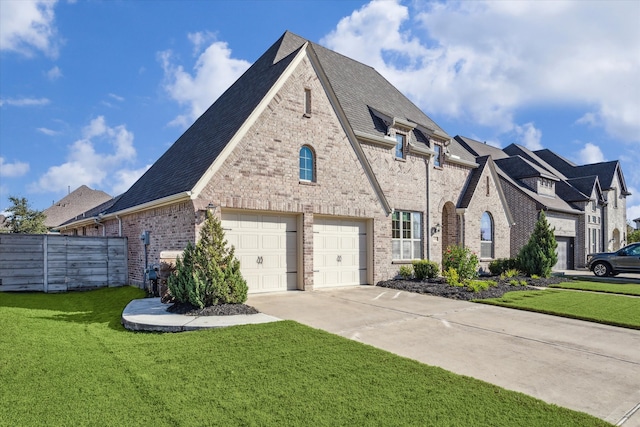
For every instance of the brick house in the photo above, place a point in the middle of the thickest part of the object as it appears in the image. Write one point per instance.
(322, 173)
(586, 204)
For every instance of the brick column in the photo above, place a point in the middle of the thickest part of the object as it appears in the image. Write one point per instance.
(307, 248)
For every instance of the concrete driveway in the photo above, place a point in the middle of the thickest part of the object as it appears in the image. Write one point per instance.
(579, 365)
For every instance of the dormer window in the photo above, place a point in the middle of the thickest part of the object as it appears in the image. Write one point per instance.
(400, 145)
(437, 159)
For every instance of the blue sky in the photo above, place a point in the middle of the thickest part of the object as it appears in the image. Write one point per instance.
(93, 92)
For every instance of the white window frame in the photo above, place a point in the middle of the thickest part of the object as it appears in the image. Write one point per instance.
(406, 236)
(437, 158)
(313, 164)
(401, 142)
(487, 243)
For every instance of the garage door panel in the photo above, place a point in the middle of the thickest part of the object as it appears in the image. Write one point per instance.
(266, 246)
(340, 252)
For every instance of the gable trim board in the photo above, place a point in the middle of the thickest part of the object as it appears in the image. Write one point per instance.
(244, 128)
(333, 99)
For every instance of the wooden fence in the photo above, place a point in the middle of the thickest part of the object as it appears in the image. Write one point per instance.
(53, 263)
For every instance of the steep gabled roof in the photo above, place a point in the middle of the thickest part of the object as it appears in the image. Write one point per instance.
(518, 167)
(75, 203)
(519, 150)
(555, 160)
(357, 87)
(512, 168)
(360, 88)
(484, 163)
(180, 168)
(479, 149)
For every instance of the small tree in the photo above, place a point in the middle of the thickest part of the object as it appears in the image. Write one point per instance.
(633, 236)
(539, 255)
(208, 273)
(23, 219)
(462, 260)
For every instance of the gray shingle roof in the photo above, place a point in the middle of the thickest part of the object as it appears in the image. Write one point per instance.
(518, 167)
(358, 88)
(512, 168)
(186, 161)
(75, 203)
(472, 183)
(478, 148)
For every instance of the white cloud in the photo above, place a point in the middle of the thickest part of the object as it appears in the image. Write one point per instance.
(48, 132)
(124, 178)
(591, 153)
(116, 97)
(529, 136)
(13, 170)
(55, 73)
(214, 71)
(28, 26)
(99, 159)
(482, 61)
(25, 102)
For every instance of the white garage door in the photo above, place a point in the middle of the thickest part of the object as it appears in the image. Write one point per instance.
(339, 252)
(266, 247)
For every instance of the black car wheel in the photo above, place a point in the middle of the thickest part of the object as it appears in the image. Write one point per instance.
(601, 269)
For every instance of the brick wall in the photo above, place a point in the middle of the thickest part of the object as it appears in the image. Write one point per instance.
(262, 172)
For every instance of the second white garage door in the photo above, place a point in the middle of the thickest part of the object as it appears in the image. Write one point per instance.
(339, 252)
(266, 246)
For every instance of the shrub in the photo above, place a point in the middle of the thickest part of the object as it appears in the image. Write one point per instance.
(514, 282)
(208, 273)
(479, 285)
(425, 269)
(462, 260)
(507, 274)
(451, 277)
(406, 272)
(538, 256)
(500, 265)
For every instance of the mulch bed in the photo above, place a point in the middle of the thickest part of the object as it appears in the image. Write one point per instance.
(215, 310)
(438, 287)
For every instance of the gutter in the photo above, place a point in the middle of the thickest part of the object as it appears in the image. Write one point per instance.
(174, 198)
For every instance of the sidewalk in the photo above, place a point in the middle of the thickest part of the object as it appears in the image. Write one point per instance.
(588, 275)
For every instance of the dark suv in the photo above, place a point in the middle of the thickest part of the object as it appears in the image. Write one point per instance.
(625, 260)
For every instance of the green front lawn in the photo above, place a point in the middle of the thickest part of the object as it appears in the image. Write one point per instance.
(613, 288)
(66, 360)
(617, 310)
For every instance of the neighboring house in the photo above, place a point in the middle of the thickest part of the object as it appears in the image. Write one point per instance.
(75, 204)
(585, 204)
(322, 173)
(637, 221)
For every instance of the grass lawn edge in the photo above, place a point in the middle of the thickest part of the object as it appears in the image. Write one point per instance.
(553, 313)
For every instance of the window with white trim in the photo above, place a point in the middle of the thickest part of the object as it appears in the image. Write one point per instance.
(486, 236)
(437, 159)
(400, 146)
(406, 235)
(306, 164)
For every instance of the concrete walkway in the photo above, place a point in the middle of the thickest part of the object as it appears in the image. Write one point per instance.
(579, 365)
(149, 314)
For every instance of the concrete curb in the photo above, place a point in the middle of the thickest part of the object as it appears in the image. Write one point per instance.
(150, 314)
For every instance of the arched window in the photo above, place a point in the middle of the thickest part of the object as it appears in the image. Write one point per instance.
(306, 164)
(486, 236)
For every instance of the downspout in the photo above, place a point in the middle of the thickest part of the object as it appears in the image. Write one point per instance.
(427, 227)
(104, 229)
